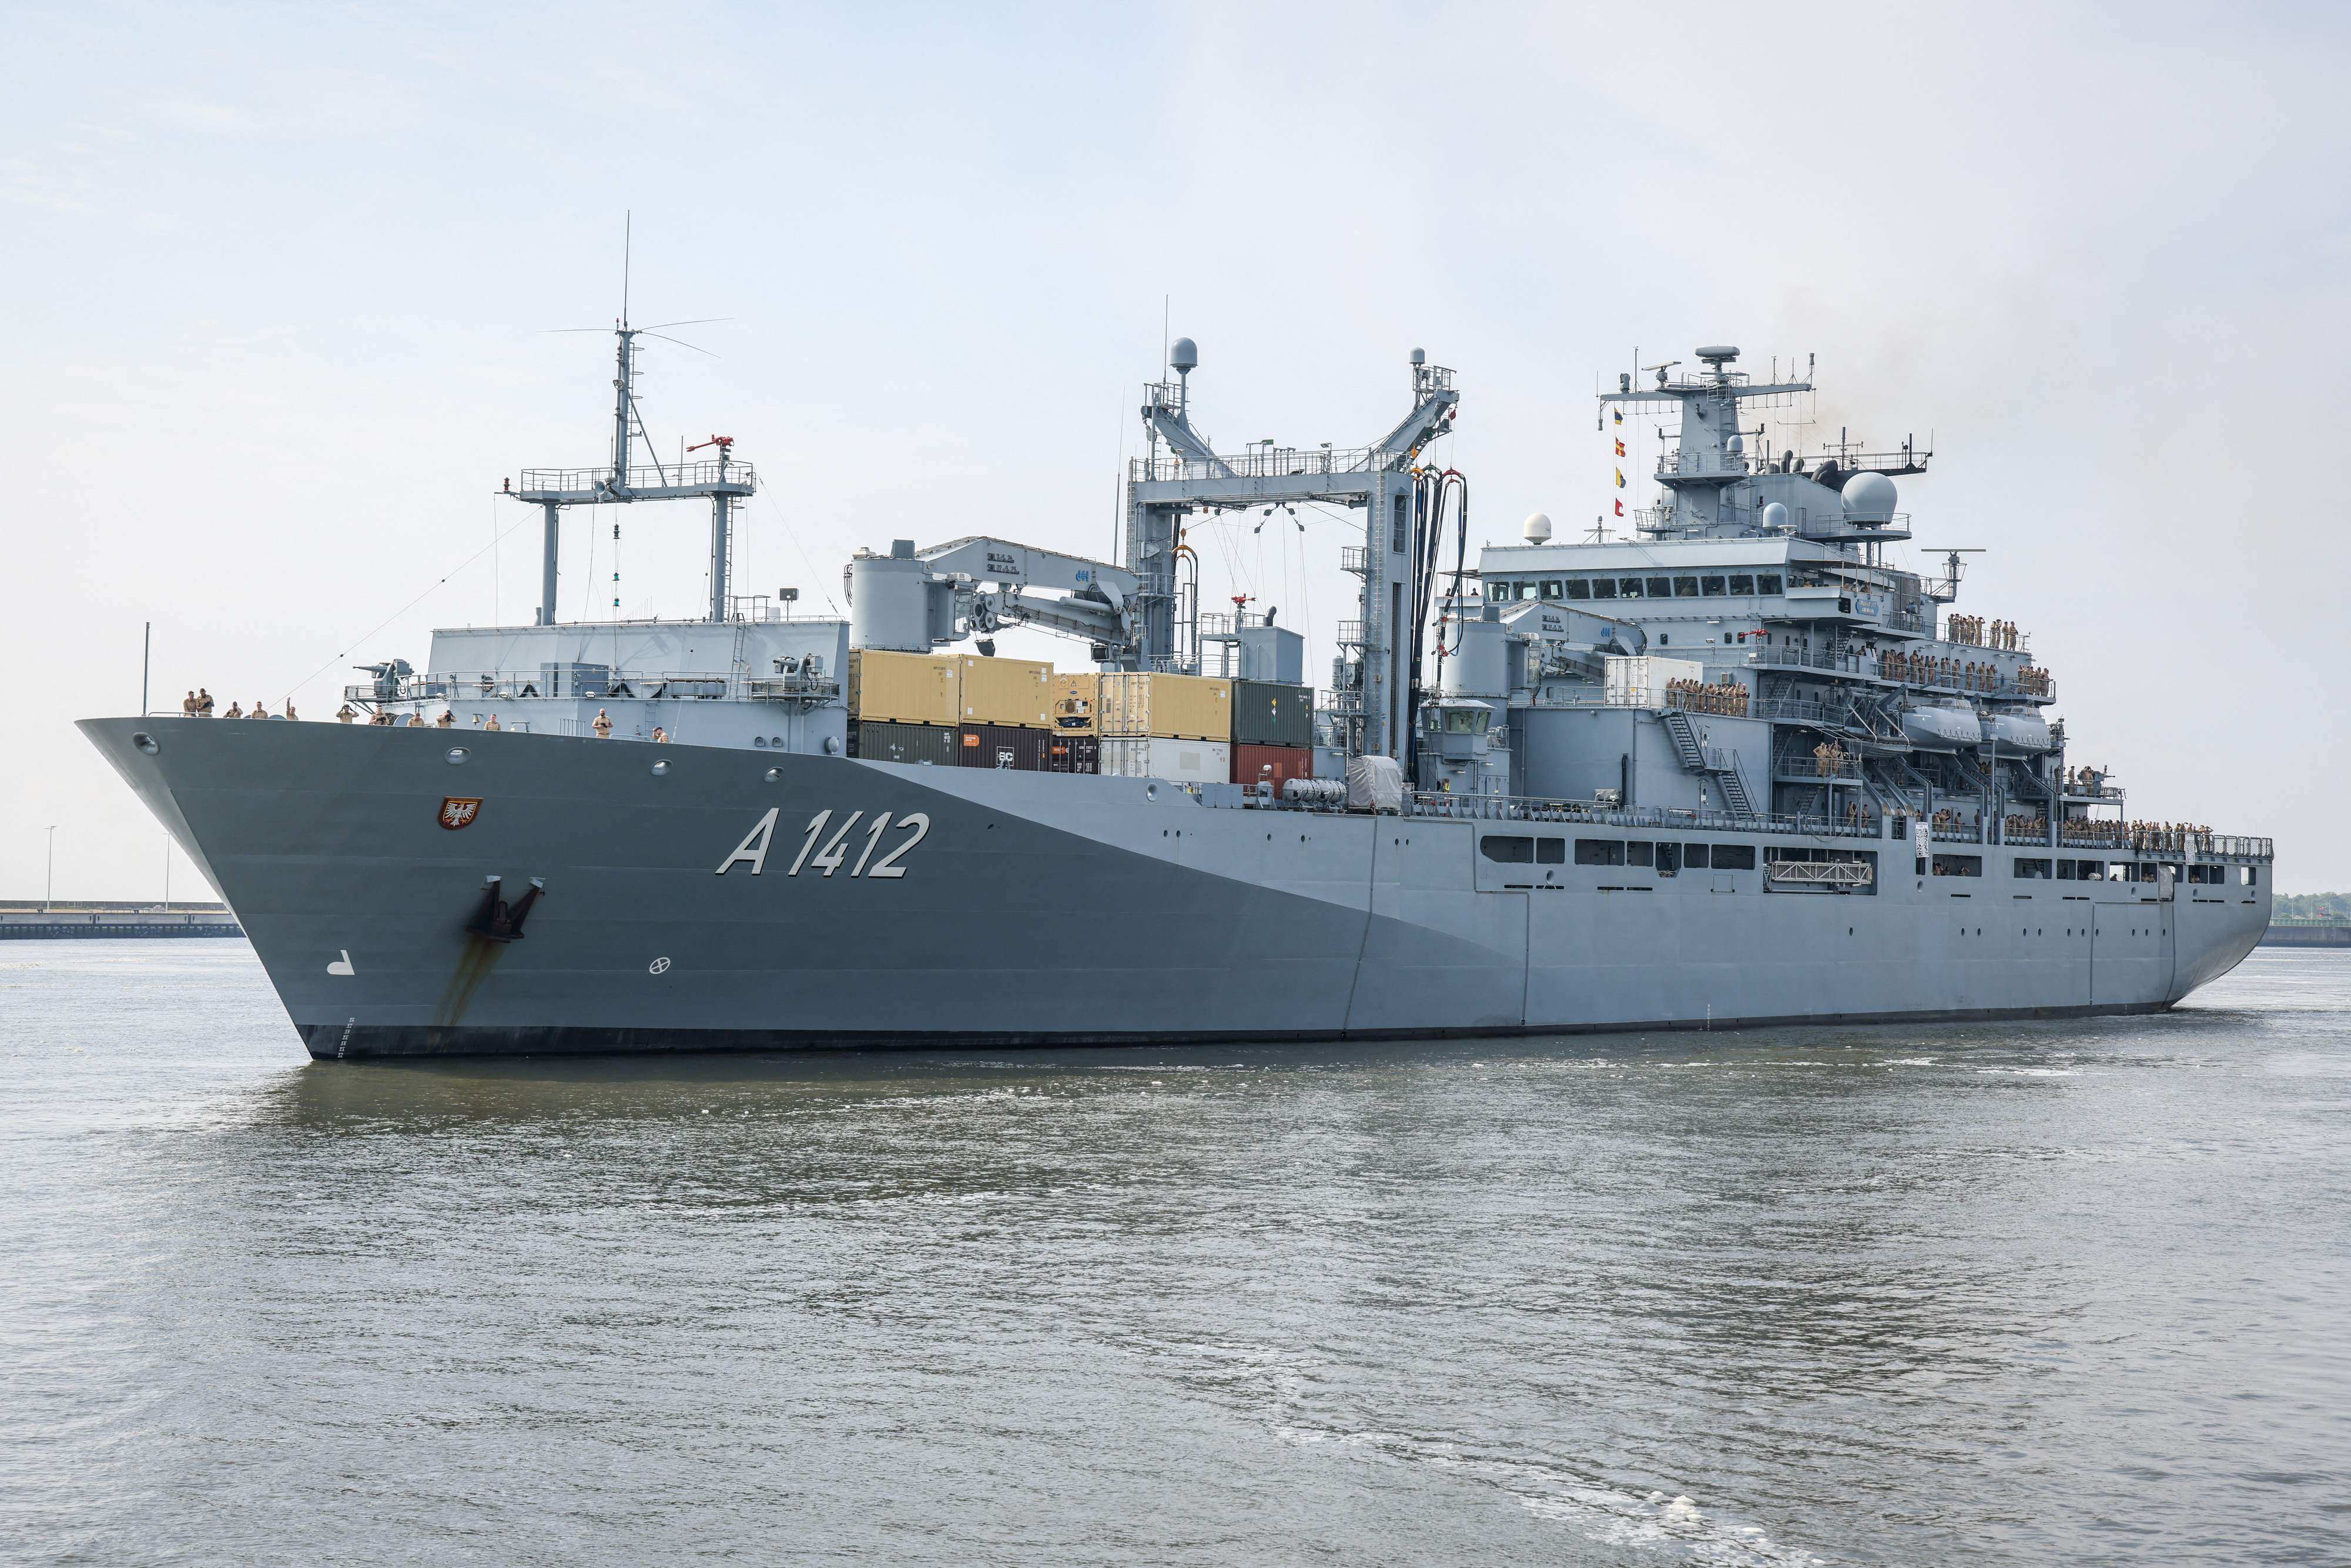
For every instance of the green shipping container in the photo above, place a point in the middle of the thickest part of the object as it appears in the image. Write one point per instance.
(1266, 713)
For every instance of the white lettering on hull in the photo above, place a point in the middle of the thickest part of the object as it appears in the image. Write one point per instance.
(834, 855)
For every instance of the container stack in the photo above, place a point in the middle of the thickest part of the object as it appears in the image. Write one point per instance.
(1177, 727)
(1076, 745)
(904, 707)
(1273, 733)
(1005, 713)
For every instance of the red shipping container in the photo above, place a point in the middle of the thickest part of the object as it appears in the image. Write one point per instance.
(1279, 763)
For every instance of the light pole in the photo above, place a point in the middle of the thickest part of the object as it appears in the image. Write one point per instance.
(49, 880)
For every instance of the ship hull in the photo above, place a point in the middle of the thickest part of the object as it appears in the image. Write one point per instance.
(750, 900)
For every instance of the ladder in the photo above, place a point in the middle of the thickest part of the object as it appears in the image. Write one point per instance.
(1718, 766)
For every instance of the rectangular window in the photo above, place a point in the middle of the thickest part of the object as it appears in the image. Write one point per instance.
(1640, 854)
(1551, 588)
(2069, 870)
(2026, 866)
(1577, 587)
(1399, 530)
(1766, 582)
(2246, 876)
(1661, 588)
(1551, 852)
(1669, 859)
(1604, 588)
(1741, 583)
(1686, 588)
(2120, 871)
(1709, 586)
(1628, 588)
(1959, 865)
(1599, 851)
(1508, 847)
(1694, 856)
(1734, 857)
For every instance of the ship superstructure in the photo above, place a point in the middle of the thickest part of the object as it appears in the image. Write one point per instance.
(1742, 765)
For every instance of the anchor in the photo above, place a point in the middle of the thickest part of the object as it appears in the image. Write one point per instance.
(500, 921)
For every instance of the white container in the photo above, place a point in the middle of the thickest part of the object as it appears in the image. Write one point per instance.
(1178, 761)
(1640, 680)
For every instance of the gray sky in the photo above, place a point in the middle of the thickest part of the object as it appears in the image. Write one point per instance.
(278, 280)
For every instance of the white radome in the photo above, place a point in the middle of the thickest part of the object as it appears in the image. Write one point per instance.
(1869, 498)
(1538, 529)
(1776, 515)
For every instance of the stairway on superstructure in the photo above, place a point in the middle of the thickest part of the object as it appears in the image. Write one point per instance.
(1694, 759)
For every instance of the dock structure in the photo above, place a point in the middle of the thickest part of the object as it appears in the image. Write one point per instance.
(32, 919)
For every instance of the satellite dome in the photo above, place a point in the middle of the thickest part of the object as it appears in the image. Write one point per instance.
(1736, 446)
(1538, 527)
(1184, 355)
(1869, 498)
(1775, 517)
(1420, 358)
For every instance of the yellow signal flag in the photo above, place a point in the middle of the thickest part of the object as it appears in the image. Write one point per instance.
(1619, 414)
(1620, 446)
(1620, 478)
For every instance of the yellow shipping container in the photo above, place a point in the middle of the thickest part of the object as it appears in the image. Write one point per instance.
(1174, 707)
(1007, 691)
(903, 688)
(1077, 701)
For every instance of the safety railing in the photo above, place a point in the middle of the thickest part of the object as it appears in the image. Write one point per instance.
(2138, 838)
(1801, 762)
(1350, 633)
(1269, 463)
(641, 476)
(1528, 809)
(1354, 559)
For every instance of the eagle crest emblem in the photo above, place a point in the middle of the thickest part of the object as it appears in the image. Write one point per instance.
(459, 811)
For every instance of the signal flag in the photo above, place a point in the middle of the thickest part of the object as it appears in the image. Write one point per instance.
(1620, 478)
(1620, 446)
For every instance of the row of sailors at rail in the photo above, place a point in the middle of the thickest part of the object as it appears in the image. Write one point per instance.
(602, 724)
(1728, 698)
(1974, 630)
(2148, 838)
(199, 704)
(1966, 675)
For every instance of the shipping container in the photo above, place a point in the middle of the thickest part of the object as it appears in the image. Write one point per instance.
(1069, 752)
(1007, 691)
(1172, 707)
(1155, 757)
(903, 688)
(1076, 700)
(1279, 764)
(1268, 713)
(1017, 746)
(880, 742)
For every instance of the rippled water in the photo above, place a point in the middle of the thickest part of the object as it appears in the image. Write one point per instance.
(2003, 1294)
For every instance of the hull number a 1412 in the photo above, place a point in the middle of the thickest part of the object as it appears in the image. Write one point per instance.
(827, 849)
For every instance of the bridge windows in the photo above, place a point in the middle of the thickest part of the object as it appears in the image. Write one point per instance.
(1742, 583)
(1551, 588)
(1577, 587)
(1766, 582)
(1628, 588)
(1686, 588)
(1604, 588)
(1661, 587)
(1710, 586)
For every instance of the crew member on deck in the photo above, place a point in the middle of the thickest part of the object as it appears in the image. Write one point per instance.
(603, 725)
(346, 712)
(661, 735)
(494, 723)
(445, 720)
(203, 703)
(188, 708)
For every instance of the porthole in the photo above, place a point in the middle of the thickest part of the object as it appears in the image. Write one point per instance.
(1151, 791)
(775, 775)
(457, 755)
(660, 768)
(760, 741)
(145, 743)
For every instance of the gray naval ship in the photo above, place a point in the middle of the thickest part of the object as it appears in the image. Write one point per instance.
(1735, 768)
